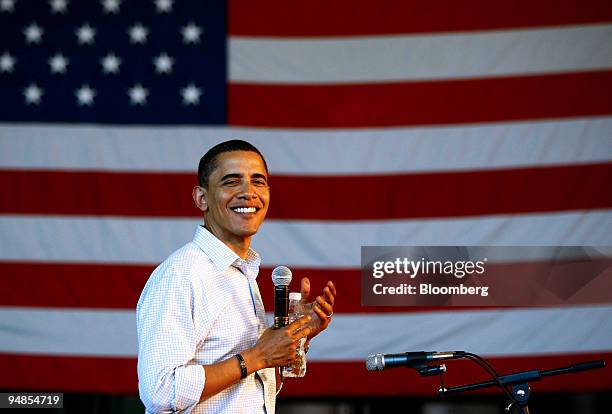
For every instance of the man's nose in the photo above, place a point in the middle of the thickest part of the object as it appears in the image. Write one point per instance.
(247, 191)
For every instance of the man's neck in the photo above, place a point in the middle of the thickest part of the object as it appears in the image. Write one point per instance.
(240, 246)
(241, 249)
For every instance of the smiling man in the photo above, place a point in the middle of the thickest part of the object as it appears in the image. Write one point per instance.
(204, 344)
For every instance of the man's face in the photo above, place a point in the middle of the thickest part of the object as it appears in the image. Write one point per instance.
(237, 196)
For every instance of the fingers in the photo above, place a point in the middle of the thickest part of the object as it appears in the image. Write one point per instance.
(298, 329)
(299, 322)
(326, 301)
(331, 287)
(324, 305)
(279, 346)
(324, 317)
(305, 287)
(329, 295)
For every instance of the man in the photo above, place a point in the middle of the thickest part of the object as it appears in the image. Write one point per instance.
(203, 340)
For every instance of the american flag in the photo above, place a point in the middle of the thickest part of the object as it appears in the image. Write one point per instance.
(418, 122)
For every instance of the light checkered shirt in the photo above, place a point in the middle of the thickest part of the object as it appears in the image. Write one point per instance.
(198, 308)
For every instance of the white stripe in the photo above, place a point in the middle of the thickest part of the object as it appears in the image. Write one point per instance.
(293, 243)
(419, 57)
(485, 332)
(68, 332)
(308, 152)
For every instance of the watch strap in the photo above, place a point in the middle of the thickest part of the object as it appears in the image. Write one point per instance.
(243, 367)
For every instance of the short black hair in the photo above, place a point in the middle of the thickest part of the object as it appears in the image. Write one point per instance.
(208, 162)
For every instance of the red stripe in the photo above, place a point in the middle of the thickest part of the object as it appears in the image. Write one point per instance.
(420, 103)
(62, 285)
(364, 17)
(51, 285)
(444, 194)
(68, 373)
(118, 376)
(367, 197)
(97, 193)
(119, 286)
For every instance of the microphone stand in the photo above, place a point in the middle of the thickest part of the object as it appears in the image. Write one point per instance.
(520, 381)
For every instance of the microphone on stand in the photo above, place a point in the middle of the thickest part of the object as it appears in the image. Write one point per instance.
(378, 362)
(281, 277)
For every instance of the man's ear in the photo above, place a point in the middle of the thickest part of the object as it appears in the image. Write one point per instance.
(199, 198)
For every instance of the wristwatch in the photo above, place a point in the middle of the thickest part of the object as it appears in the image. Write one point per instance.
(243, 368)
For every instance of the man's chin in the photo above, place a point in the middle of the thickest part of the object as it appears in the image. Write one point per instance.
(247, 232)
(251, 227)
(245, 228)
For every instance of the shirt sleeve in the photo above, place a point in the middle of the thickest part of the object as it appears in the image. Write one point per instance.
(167, 381)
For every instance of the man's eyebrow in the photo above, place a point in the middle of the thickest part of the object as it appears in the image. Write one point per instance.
(231, 175)
(236, 175)
(258, 175)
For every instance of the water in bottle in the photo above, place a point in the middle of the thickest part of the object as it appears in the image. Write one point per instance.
(296, 311)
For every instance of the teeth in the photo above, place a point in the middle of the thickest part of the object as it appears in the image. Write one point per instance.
(244, 210)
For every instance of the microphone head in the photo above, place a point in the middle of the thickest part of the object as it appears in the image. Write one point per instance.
(281, 276)
(375, 362)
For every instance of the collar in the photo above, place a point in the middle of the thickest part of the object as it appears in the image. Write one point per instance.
(224, 257)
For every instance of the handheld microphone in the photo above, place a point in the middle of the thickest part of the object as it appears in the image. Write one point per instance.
(281, 277)
(378, 362)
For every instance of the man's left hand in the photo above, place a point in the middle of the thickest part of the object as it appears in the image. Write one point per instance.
(322, 306)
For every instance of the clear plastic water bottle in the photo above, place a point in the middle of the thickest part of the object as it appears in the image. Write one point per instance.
(296, 311)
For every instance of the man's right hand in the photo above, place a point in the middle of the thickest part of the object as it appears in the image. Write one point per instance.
(278, 347)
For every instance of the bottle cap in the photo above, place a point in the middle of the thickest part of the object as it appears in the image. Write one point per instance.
(295, 296)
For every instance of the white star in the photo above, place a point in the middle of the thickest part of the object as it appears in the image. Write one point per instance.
(138, 95)
(163, 6)
(58, 6)
(58, 63)
(33, 33)
(163, 63)
(85, 95)
(111, 6)
(33, 94)
(191, 33)
(7, 63)
(7, 6)
(110, 63)
(86, 34)
(138, 33)
(191, 94)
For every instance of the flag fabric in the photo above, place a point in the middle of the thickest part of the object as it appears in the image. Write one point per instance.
(383, 123)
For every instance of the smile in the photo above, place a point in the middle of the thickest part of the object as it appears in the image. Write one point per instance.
(244, 210)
